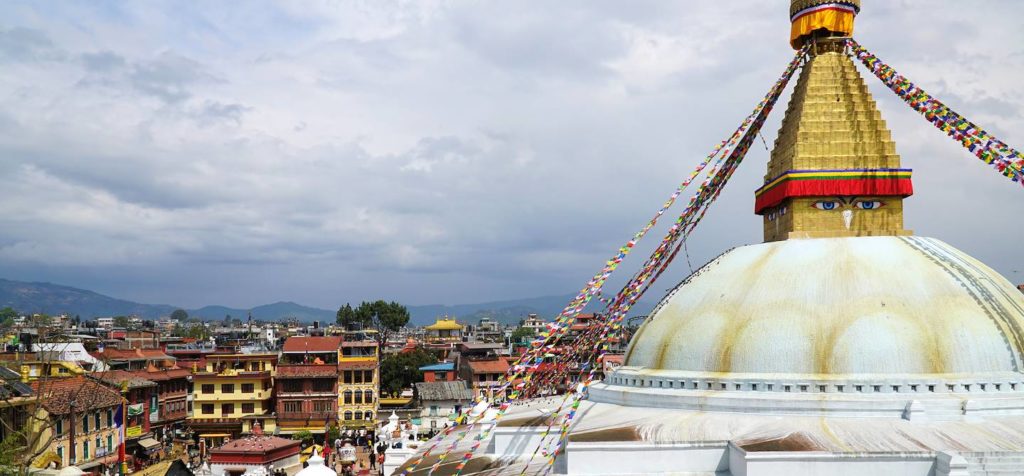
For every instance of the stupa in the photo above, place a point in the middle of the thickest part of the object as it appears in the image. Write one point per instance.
(842, 345)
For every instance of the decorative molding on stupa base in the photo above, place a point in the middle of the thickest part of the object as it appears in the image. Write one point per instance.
(788, 463)
(931, 407)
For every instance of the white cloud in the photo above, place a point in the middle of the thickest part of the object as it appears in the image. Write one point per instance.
(435, 151)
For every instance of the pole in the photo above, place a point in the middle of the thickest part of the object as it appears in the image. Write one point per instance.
(122, 465)
(71, 436)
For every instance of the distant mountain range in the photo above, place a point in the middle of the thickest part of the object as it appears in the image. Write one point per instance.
(56, 299)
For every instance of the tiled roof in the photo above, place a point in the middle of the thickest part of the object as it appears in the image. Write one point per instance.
(499, 365)
(256, 444)
(443, 391)
(312, 344)
(85, 392)
(131, 354)
(116, 377)
(304, 371)
(160, 375)
(445, 325)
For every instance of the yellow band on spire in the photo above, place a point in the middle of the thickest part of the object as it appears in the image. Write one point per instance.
(835, 17)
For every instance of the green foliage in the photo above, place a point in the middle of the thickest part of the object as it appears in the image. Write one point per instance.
(523, 334)
(400, 371)
(385, 317)
(8, 313)
(121, 321)
(304, 436)
(11, 449)
(179, 315)
(333, 433)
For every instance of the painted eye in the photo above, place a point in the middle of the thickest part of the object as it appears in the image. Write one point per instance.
(827, 205)
(870, 205)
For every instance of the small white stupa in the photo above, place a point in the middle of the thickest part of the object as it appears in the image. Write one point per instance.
(316, 467)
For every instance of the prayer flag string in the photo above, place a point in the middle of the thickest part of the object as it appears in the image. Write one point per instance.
(1005, 159)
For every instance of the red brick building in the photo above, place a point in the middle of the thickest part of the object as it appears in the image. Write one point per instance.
(306, 385)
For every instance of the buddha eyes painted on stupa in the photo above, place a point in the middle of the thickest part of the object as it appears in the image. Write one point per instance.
(847, 202)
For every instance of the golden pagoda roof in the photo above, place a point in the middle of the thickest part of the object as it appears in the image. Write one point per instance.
(797, 5)
(445, 325)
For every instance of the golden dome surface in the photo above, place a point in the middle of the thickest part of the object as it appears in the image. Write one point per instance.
(838, 307)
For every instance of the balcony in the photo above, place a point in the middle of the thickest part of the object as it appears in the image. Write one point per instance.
(308, 416)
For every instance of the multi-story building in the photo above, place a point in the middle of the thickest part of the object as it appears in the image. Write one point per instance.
(442, 402)
(481, 365)
(16, 403)
(358, 381)
(534, 323)
(231, 388)
(439, 372)
(306, 384)
(140, 405)
(80, 420)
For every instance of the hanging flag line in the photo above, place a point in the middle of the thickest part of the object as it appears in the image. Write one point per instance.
(632, 292)
(1007, 160)
(551, 337)
(596, 348)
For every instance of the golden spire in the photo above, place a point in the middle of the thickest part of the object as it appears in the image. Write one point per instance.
(834, 170)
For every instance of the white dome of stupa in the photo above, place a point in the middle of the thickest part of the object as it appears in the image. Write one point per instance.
(316, 467)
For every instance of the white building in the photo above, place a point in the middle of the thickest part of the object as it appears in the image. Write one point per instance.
(441, 402)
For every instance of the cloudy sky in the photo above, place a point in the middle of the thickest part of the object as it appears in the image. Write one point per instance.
(436, 152)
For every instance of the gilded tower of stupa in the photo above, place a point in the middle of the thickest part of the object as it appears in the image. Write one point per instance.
(834, 170)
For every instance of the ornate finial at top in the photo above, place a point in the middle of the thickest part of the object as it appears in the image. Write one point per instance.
(826, 18)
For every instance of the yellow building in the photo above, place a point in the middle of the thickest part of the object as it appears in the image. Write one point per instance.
(358, 381)
(77, 408)
(230, 393)
(35, 369)
(444, 331)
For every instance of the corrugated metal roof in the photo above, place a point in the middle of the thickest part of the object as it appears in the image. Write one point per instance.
(438, 367)
(444, 391)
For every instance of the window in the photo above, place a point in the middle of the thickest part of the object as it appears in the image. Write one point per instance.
(85, 450)
(346, 376)
(348, 399)
(357, 416)
(85, 423)
(359, 398)
(99, 444)
(323, 385)
(348, 415)
(322, 406)
(207, 409)
(440, 376)
(292, 385)
(248, 408)
(368, 376)
(358, 377)
(60, 426)
(96, 421)
(110, 443)
(248, 388)
(110, 418)
(368, 416)
(293, 407)
(367, 397)
(207, 388)
(433, 410)
(227, 409)
(60, 454)
(227, 388)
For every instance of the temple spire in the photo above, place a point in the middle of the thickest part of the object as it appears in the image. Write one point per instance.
(834, 170)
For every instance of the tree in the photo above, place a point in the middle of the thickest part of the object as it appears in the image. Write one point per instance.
(179, 315)
(522, 334)
(304, 436)
(121, 321)
(385, 317)
(400, 371)
(7, 316)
